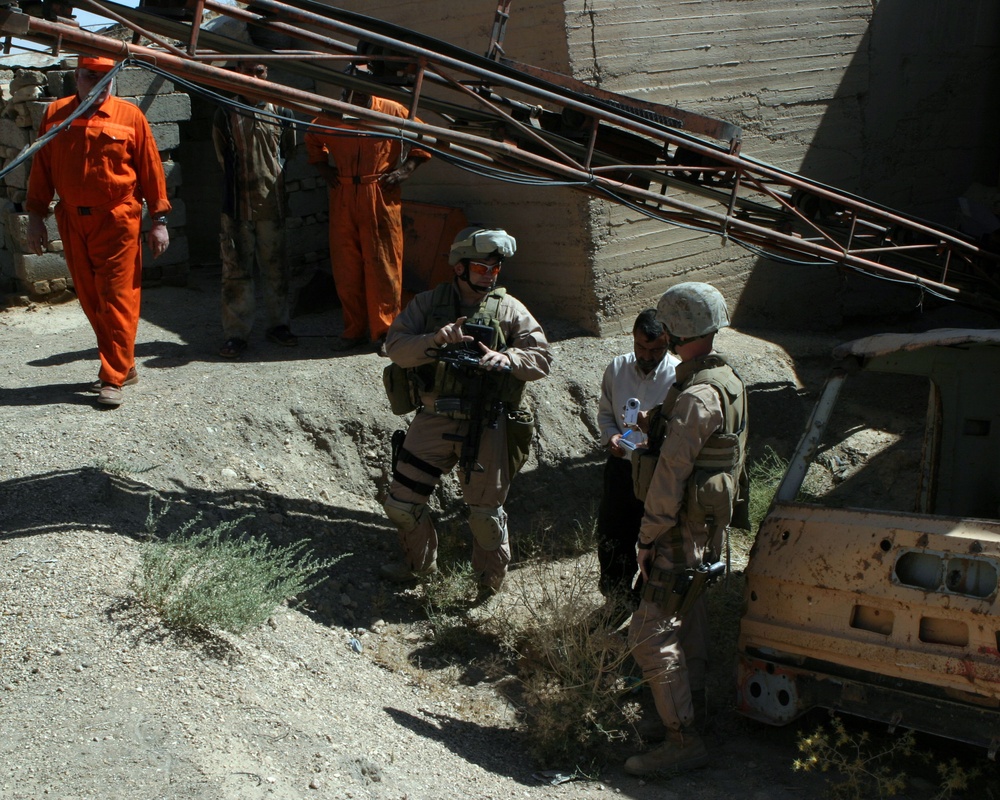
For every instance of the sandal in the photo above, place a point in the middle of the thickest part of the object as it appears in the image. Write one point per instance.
(233, 348)
(282, 335)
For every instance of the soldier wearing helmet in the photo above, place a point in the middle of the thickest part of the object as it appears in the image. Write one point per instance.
(454, 404)
(692, 487)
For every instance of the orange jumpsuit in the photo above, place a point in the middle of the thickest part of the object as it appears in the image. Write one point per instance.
(102, 167)
(366, 223)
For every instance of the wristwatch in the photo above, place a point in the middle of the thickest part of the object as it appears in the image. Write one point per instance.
(162, 219)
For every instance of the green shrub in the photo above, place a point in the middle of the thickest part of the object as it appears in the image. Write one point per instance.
(866, 769)
(449, 591)
(864, 766)
(765, 476)
(210, 579)
(574, 690)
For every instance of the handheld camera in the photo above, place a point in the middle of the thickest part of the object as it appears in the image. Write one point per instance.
(632, 412)
(479, 333)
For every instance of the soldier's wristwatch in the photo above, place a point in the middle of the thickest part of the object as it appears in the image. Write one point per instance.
(162, 219)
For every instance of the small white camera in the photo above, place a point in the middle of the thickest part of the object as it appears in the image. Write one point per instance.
(632, 411)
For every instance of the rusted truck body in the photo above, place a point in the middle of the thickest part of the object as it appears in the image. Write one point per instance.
(857, 604)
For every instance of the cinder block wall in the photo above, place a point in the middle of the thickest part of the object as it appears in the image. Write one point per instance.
(891, 101)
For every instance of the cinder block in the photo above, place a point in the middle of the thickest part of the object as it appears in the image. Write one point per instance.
(17, 230)
(168, 136)
(62, 83)
(11, 135)
(26, 93)
(307, 239)
(29, 268)
(177, 253)
(137, 82)
(308, 202)
(18, 176)
(175, 107)
(299, 169)
(173, 172)
(27, 77)
(34, 110)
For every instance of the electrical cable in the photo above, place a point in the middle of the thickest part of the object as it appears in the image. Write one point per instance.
(448, 156)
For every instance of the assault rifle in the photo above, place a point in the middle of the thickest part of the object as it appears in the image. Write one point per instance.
(478, 404)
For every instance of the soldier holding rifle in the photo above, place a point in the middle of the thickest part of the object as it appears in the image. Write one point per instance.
(465, 349)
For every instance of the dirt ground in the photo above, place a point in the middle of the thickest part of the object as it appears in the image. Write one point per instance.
(343, 697)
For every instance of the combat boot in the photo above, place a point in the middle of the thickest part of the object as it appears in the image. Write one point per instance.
(682, 751)
(400, 572)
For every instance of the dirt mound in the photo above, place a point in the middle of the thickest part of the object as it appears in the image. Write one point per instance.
(97, 701)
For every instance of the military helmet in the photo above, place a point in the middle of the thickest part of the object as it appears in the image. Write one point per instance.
(691, 310)
(479, 242)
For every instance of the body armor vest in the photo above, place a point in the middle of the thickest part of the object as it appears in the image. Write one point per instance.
(447, 380)
(718, 488)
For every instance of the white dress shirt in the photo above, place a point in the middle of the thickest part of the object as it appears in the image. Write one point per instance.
(622, 380)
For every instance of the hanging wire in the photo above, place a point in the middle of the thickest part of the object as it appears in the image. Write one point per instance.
(448, 156)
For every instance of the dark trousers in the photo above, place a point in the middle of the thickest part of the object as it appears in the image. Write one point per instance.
(618, 520)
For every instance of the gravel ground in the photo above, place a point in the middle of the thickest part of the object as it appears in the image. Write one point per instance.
(97, 700)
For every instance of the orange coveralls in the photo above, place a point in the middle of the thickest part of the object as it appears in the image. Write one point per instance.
(366, 223)
(102, 167)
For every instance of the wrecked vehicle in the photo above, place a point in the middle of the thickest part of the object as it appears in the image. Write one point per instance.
(871, 588)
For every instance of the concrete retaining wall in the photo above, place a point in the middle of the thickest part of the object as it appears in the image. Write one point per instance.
(889, 100)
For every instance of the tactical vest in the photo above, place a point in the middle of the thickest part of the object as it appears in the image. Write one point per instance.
(445, 380)
(718, 488)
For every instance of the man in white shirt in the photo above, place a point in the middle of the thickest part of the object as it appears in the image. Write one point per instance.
(644, 374)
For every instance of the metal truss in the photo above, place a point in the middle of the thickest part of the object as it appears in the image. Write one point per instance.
(514, 122)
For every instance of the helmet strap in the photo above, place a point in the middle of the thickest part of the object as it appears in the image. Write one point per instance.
(465, 276)
(673, 342)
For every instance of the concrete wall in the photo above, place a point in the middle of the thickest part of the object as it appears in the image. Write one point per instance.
(891, 100)
(551, 271)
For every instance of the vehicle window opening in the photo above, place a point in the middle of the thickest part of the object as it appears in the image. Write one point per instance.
(876, 620)
(973, 577)
(934, 630)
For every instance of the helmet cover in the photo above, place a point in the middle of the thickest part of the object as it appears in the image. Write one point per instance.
(478, 242)
(691, 310)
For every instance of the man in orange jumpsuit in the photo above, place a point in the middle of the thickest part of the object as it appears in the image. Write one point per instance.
(364, 173)
(103, 165)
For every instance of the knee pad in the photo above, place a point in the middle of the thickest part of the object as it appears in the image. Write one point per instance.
(489, 527)
(405, 516)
